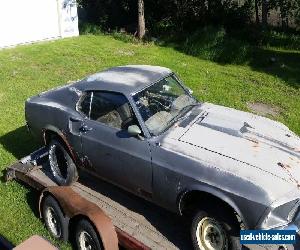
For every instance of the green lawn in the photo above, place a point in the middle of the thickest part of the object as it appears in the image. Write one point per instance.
(28, 70)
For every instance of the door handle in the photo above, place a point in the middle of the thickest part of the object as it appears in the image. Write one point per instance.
(75, 119)
(85, 128)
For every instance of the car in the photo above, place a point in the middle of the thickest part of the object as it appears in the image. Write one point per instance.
(140, 128)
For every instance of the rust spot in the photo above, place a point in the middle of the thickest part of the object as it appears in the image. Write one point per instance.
(296, 150)
(283, 165)
(253, 140)
(86, 163)
(286, 167)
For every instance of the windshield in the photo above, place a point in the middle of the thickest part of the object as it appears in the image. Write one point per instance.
(161, 104)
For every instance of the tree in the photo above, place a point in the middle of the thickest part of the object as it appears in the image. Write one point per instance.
(141, 19)
(256, 12)
(264, 12)
(288, 9)
(297, 12)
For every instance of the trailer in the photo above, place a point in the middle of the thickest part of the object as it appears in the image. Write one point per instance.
(120, 216)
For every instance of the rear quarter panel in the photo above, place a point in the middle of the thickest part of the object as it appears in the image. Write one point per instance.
(50, 110)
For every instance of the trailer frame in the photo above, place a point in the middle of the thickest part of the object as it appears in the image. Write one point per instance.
(29, 171)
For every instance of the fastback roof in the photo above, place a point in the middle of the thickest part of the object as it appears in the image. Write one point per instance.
(124, 79)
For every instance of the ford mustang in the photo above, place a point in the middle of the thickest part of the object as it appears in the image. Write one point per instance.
(140, 128)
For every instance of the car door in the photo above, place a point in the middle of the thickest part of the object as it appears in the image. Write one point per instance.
(114, 154)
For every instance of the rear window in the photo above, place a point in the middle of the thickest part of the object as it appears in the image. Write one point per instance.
(85, 104)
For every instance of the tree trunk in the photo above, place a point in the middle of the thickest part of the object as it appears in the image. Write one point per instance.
(256, 12)
(141, 23)
(265, 12)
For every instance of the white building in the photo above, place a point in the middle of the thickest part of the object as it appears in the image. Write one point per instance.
(25, 21)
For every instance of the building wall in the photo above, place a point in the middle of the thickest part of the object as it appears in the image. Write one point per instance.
(23, 21)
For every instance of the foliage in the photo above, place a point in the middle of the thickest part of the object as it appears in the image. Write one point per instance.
(216, 45)
(169, 16)
(89, 28)
(220, 45)
(280, 39)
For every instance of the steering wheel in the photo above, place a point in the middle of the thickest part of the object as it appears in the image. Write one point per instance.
(162, 105)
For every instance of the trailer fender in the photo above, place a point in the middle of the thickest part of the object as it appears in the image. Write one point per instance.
(72, 204)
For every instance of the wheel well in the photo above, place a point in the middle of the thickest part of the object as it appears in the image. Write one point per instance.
(194, 200)
(48, 135)
(72, 226)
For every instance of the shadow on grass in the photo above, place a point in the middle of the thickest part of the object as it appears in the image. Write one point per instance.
(32, 199)
(19, 142)
(216, 45)
(282, 64)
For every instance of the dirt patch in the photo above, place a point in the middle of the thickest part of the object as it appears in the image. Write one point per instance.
(263, 109)
(125, 52)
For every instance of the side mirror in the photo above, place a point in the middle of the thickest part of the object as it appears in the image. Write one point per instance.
(134, 130)
(190, 91)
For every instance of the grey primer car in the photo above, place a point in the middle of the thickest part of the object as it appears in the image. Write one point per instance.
(141, 129)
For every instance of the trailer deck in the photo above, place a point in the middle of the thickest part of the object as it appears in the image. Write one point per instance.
(145, 222)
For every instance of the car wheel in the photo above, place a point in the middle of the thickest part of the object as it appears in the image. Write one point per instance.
(54, 218)
(211, 232)
(62, 166)
(86, 237)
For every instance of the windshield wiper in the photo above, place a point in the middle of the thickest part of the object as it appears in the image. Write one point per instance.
(182, 112)
(191, 105)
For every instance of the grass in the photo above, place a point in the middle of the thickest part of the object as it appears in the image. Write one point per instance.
(28, 70)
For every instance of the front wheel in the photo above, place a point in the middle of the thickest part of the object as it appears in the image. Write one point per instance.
(62, 166)
(214, 232)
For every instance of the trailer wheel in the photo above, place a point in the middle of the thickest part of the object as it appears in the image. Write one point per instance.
(214, 231)
(86, 237)
(54, 218)
(62, 166)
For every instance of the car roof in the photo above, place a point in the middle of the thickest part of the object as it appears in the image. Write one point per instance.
(124, 79)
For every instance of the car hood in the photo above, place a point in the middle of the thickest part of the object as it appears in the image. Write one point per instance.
(247, 138)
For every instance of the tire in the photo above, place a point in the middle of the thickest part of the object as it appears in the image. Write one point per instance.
(86, 237)
(214, 231)
(62, 166)
(54, 219)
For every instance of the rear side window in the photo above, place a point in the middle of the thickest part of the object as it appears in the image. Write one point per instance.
(84, 104)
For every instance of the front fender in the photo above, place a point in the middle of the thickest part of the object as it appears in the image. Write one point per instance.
(217, 193)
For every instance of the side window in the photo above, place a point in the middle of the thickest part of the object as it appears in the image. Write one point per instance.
(84, 104)
(112, 109)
